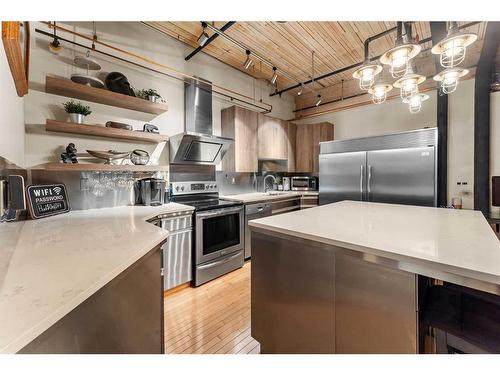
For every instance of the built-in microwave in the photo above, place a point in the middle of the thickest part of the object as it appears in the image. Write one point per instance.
(303, 183)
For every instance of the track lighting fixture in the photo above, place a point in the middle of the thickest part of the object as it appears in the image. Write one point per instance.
(248, 61)
(449, 78)
(366, 74)
(415, 102)
(55, 46)
(299, 93)
(451, 50)
(399, 56)
(318, 102)
(202, 39)
(379, 92)
(275, 76)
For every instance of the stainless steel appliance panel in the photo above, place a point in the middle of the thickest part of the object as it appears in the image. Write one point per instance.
(254, 211)
(303, 183)
(222, 265)
(402, 176)
(375, 308)
(226, 233)
(342, 177)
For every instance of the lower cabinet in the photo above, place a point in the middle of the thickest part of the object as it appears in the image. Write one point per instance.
(308, 201)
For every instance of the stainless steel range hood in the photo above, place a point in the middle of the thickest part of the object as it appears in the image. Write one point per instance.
(197, 144)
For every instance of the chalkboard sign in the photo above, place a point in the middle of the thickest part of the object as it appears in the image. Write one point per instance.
(47, 200)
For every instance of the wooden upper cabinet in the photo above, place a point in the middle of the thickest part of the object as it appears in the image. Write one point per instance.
(272, 138)
(307, 145)
(240, 124)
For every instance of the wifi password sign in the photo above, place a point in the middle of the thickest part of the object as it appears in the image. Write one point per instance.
(47, 200)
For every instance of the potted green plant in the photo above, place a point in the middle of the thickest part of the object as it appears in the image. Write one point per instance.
(76, 111)
(149, 94)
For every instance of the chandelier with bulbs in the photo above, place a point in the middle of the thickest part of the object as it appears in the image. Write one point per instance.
(451, 49)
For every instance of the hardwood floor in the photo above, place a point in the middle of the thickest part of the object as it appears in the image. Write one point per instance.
(213, 318)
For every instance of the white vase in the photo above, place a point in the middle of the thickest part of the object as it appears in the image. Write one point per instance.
(153, 98)
(77, 118)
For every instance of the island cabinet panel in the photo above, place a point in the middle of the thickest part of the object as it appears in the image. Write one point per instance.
(272, 138)
(240, 124)
(308, 297)
(123, 317)
(308, 138)
(375, 308)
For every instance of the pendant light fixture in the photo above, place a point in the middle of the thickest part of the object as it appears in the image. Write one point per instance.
(202, 39)
(408, 84)
(452, 49)
(248, 61)
(379, 92)
(366, 74)
(449, 78)
(415, 102)
(405, 49)
(275, 76)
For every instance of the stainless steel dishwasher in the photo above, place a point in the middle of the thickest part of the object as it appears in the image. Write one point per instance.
(254, 211)
(177, 252)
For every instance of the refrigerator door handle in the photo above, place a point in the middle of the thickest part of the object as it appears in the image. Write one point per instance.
(361, 181)
(369, 188)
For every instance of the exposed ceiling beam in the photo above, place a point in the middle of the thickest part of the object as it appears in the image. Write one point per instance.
(210, 40)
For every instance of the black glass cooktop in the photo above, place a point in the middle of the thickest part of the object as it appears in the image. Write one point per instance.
(203, 202)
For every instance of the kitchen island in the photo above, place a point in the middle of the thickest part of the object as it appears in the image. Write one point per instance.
(83, 282)
(346, 277)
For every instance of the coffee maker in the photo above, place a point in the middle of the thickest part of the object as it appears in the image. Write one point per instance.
(150, 192)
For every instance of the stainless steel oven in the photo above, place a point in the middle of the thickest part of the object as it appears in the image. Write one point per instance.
(219, 242)
(303, 183)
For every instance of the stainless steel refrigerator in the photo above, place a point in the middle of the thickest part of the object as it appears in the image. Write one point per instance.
(398, 168)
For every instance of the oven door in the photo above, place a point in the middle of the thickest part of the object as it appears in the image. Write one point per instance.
(218, 232)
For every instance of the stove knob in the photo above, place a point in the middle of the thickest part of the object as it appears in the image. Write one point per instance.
(177, 188)
(207, 187)
(215, 186)
(182, 188)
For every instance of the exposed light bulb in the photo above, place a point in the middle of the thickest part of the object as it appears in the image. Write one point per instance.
(449, 79)
(452, 49)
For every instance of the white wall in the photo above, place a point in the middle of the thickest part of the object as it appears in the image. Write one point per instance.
(393, 116)
(11, 116)
(389, 117)
(43, 147)
(495, 138)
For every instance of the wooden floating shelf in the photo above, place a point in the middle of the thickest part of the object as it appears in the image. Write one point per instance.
(102, 131)
(65, 87)
(86, 167)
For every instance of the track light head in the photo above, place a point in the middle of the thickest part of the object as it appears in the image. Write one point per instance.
(275, 76)
(248, 61)
(299, 93)
(318, 102)
(203, 38)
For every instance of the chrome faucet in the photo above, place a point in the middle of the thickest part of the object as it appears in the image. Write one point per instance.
(265, 179)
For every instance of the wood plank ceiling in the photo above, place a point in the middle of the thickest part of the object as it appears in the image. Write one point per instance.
(289, 46)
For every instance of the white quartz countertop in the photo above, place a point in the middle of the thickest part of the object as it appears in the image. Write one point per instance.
(261, 197)
(50, 266)
(459, 242)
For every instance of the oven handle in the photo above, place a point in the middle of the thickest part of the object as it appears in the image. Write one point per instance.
(222, 211)
(219, 262)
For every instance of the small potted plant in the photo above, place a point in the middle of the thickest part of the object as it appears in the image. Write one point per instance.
(76, 111)
(149, 94)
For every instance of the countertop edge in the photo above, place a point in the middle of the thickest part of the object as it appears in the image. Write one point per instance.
(436, 266)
